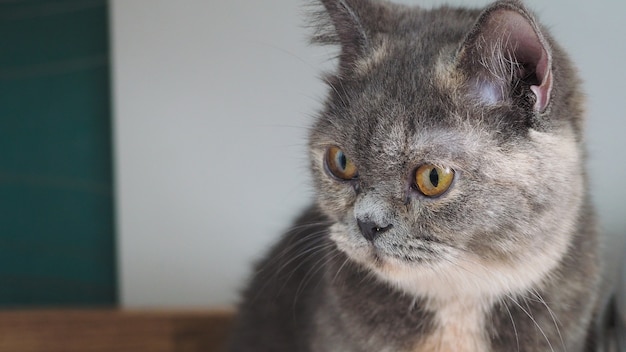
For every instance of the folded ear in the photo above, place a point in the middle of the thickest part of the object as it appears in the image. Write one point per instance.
(349, 23)
(506, 49)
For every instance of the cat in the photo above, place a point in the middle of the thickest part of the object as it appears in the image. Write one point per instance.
(452, 211)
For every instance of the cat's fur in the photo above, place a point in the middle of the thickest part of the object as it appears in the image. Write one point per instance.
(505, 260)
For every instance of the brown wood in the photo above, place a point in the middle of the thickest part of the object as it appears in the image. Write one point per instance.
(99, 330)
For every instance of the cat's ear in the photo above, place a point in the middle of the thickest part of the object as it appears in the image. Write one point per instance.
(504, 50)
(350, 24)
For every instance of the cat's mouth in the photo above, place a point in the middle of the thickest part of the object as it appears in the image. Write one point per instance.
(392, 248)
(412, 253)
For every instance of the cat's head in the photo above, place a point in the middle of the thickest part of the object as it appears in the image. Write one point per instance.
(449, 148)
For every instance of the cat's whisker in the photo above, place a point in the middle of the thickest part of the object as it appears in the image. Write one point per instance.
(288, 250)
(299, 239)
(368, 276)
(345, 261)
(270, 263)
(339, 95)
(506, 306)
(412, 304)
(555, 320)
(312, 237)
(308, 226)
(302, 257)
(532, 318)
(314, 269)
(309, 252)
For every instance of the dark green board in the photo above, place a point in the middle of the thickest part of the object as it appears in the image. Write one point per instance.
(56, 200)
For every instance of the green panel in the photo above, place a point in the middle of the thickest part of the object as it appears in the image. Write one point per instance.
(56, 204)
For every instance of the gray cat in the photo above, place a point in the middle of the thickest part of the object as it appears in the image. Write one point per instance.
(452, 211)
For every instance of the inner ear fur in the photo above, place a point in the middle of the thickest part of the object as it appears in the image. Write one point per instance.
(506, 48)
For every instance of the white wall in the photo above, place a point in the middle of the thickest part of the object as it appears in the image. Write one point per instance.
(212, 102)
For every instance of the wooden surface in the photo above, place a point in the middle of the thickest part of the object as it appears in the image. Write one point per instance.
(113, 330)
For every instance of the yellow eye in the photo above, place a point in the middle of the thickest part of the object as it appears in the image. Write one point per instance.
(339, 165)
(432, 180)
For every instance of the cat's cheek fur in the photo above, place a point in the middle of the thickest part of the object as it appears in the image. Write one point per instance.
(545, 237)
(348, 244)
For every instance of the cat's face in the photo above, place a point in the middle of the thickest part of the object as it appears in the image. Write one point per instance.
(426, 180)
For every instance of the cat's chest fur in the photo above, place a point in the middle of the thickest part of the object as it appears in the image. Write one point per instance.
(456, 326)
(359, 313)
(459, 326)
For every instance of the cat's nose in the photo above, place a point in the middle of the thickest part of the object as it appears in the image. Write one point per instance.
(370, 229)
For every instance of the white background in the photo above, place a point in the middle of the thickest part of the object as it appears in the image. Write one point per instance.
(212, 103)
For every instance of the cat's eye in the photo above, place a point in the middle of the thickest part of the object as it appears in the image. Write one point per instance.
(433, 181)
(339, 165)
